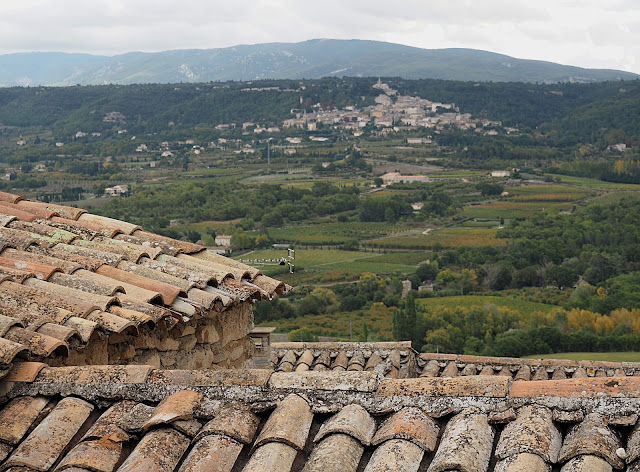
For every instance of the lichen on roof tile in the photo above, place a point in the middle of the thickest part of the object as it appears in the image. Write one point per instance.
(48, 440)
(592, 436)
(335, 452)
(289, 423)
(395, 455)
(410, 424)
(179, 406)
(212, 453)
(234, 421)
(587, 463)
(352, 420)
(533, 431)
(271, 457)
(523, 462)
(465, 445)
(159, 450)
(18, 415)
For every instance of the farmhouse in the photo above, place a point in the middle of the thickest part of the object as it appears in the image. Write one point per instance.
(396, 177)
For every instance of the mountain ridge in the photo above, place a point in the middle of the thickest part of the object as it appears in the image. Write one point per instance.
(310, 59)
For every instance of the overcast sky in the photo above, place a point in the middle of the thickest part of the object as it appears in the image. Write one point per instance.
(586, 33)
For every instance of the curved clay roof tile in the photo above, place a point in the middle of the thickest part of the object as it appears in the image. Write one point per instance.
(64, 211)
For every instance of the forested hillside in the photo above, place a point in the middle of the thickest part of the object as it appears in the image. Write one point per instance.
(565, 113)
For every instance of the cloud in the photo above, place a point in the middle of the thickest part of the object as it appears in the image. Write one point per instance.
(588, 33)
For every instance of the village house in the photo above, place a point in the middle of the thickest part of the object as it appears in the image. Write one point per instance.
(396, 177)
(500, 173)
(116, 190)
(223, 240)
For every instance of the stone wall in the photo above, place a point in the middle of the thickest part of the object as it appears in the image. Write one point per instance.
(218, 340)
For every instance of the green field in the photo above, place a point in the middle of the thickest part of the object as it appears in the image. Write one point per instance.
(592, 356)
(468, 301)
(547, 193)
(333, 233)
(314, 265)
(595, 183)
(511, 209)
(340, 325)
(444, 238)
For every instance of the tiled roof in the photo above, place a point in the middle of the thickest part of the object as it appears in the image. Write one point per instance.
(392, 359)
(454, 365)
(134, 418)
(66, 273)
(399, 360)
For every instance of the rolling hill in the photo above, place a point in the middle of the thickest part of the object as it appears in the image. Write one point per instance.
(309, 59)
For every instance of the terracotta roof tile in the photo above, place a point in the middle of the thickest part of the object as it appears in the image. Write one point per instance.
(341, 360)
(395, 455)
(99, 455)
(532, 432)
(374, 361)
(165, 243)
(451, 370)
(271, 457)
(17, 417)
(10, 197)
(432, 369)
(105, 222)
(212, 453)
(24, 371)
(587, 464)
(160, 450)
(17, 239)
(107, 427)
(47, 441)
(38, 344)
(523, 463)
(179, 406)
(591, 436)
(335, 452)
(234, 421)
(46, 233)
(13, 210)
(410, 424)
(9, 350)
(63, 211)
(465, 445)
(288, 424)
(353, 420)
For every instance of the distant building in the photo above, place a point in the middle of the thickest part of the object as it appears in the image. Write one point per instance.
(396, 177)
(116, 190)
(500, 173)
(21, 142)
(223, 240)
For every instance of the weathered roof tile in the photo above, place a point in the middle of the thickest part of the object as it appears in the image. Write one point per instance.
(395, 455)
(356, 381)
(179, 406)
(17, 417)
(336, 452)
(592, 436)
(586, 464)
(160, 450)
(47, 441)
(100, 455)
(289, 423)
(234, 421)
(271, 457)
(212, 453)
(533, 431)
(352, 420)
(410, 424)
(466, 444)
(523, 462)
